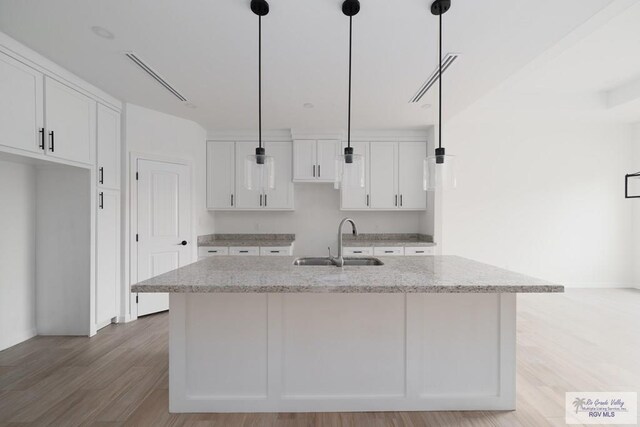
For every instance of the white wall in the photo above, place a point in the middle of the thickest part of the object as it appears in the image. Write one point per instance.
(540, 196)
(315, 220)
(17, 253)
(635, 203)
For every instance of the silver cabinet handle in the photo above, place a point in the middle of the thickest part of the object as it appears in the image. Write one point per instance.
(401, 200)
(265, 200)
(232, 200)
(396, 200)
(367, 200)
(261, 200)
(314, 171)
(318, 171)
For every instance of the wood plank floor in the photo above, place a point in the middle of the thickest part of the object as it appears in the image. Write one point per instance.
(583, 340)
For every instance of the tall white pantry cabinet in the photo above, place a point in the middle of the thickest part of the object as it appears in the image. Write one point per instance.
(70, 132)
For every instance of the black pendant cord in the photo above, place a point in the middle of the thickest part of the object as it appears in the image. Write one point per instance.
(440, 84)
(260, 81)
(349, 108)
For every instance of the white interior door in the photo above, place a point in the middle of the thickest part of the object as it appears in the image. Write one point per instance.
(164, 225)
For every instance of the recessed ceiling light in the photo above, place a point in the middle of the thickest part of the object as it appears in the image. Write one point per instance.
(308, 105)
(102, 32)
(425, 106)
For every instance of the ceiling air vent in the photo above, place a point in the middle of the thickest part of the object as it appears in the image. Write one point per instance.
(147, 69)
(433, 78)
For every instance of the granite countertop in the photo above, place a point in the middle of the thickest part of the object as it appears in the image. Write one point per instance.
(246, 240)
(387, 239)
(431, 274)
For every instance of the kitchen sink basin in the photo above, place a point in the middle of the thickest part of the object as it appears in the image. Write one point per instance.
(360, 261)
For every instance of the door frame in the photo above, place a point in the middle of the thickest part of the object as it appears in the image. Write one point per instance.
(133, 217)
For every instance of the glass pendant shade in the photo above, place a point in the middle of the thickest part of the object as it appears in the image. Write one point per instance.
(349, 170)
(439, 173)
(259, 172)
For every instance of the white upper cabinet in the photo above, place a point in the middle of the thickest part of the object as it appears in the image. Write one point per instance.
(384, 175)
(108, 143)
(314, 160)
(225, 177)
(20, 106)
(304, 160)
(393, 176)
(327, 151)
(70, 123)
(246, 199)
(411, 157)
(358, 198)
(281, 197)
(220, 175)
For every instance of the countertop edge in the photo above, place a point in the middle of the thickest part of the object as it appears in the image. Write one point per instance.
(313, 289)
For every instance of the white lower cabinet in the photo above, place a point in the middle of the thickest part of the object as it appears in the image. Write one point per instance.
(419, 251)
(107, 256)
(358, 251)
(276, 250)
(388, 250)
(244, 250)
(205, 251)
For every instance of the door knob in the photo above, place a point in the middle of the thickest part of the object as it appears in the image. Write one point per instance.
(183, 243)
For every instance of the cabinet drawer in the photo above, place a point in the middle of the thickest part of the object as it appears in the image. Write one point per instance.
(359, 251)
(204, 251)
(419, 250)
(388, 250)
(244, 250)
(275, 251)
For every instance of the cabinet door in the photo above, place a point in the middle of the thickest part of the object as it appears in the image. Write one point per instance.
(326, 153)
(220, 175)
(304, 160)
(108, 142)
(410, 164)
(70, 121)
(383, 175)
(107, 255)
(357, 198)
(246, 199)
(282, 196)
(20, 105)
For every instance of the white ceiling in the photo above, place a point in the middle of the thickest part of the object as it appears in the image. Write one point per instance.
(208, 51)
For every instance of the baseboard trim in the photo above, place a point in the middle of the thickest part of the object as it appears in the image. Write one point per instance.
(18, 338)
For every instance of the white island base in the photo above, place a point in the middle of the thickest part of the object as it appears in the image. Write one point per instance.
(321, 352)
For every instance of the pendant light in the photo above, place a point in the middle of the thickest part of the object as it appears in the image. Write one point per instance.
(349, 166)
(439, 171)
(259, 169)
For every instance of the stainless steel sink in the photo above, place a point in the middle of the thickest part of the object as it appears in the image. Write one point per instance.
(360, 261)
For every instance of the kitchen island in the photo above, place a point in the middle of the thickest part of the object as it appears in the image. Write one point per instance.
(258, 334)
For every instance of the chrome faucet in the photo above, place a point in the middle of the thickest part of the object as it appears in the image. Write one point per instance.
(339, 260)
